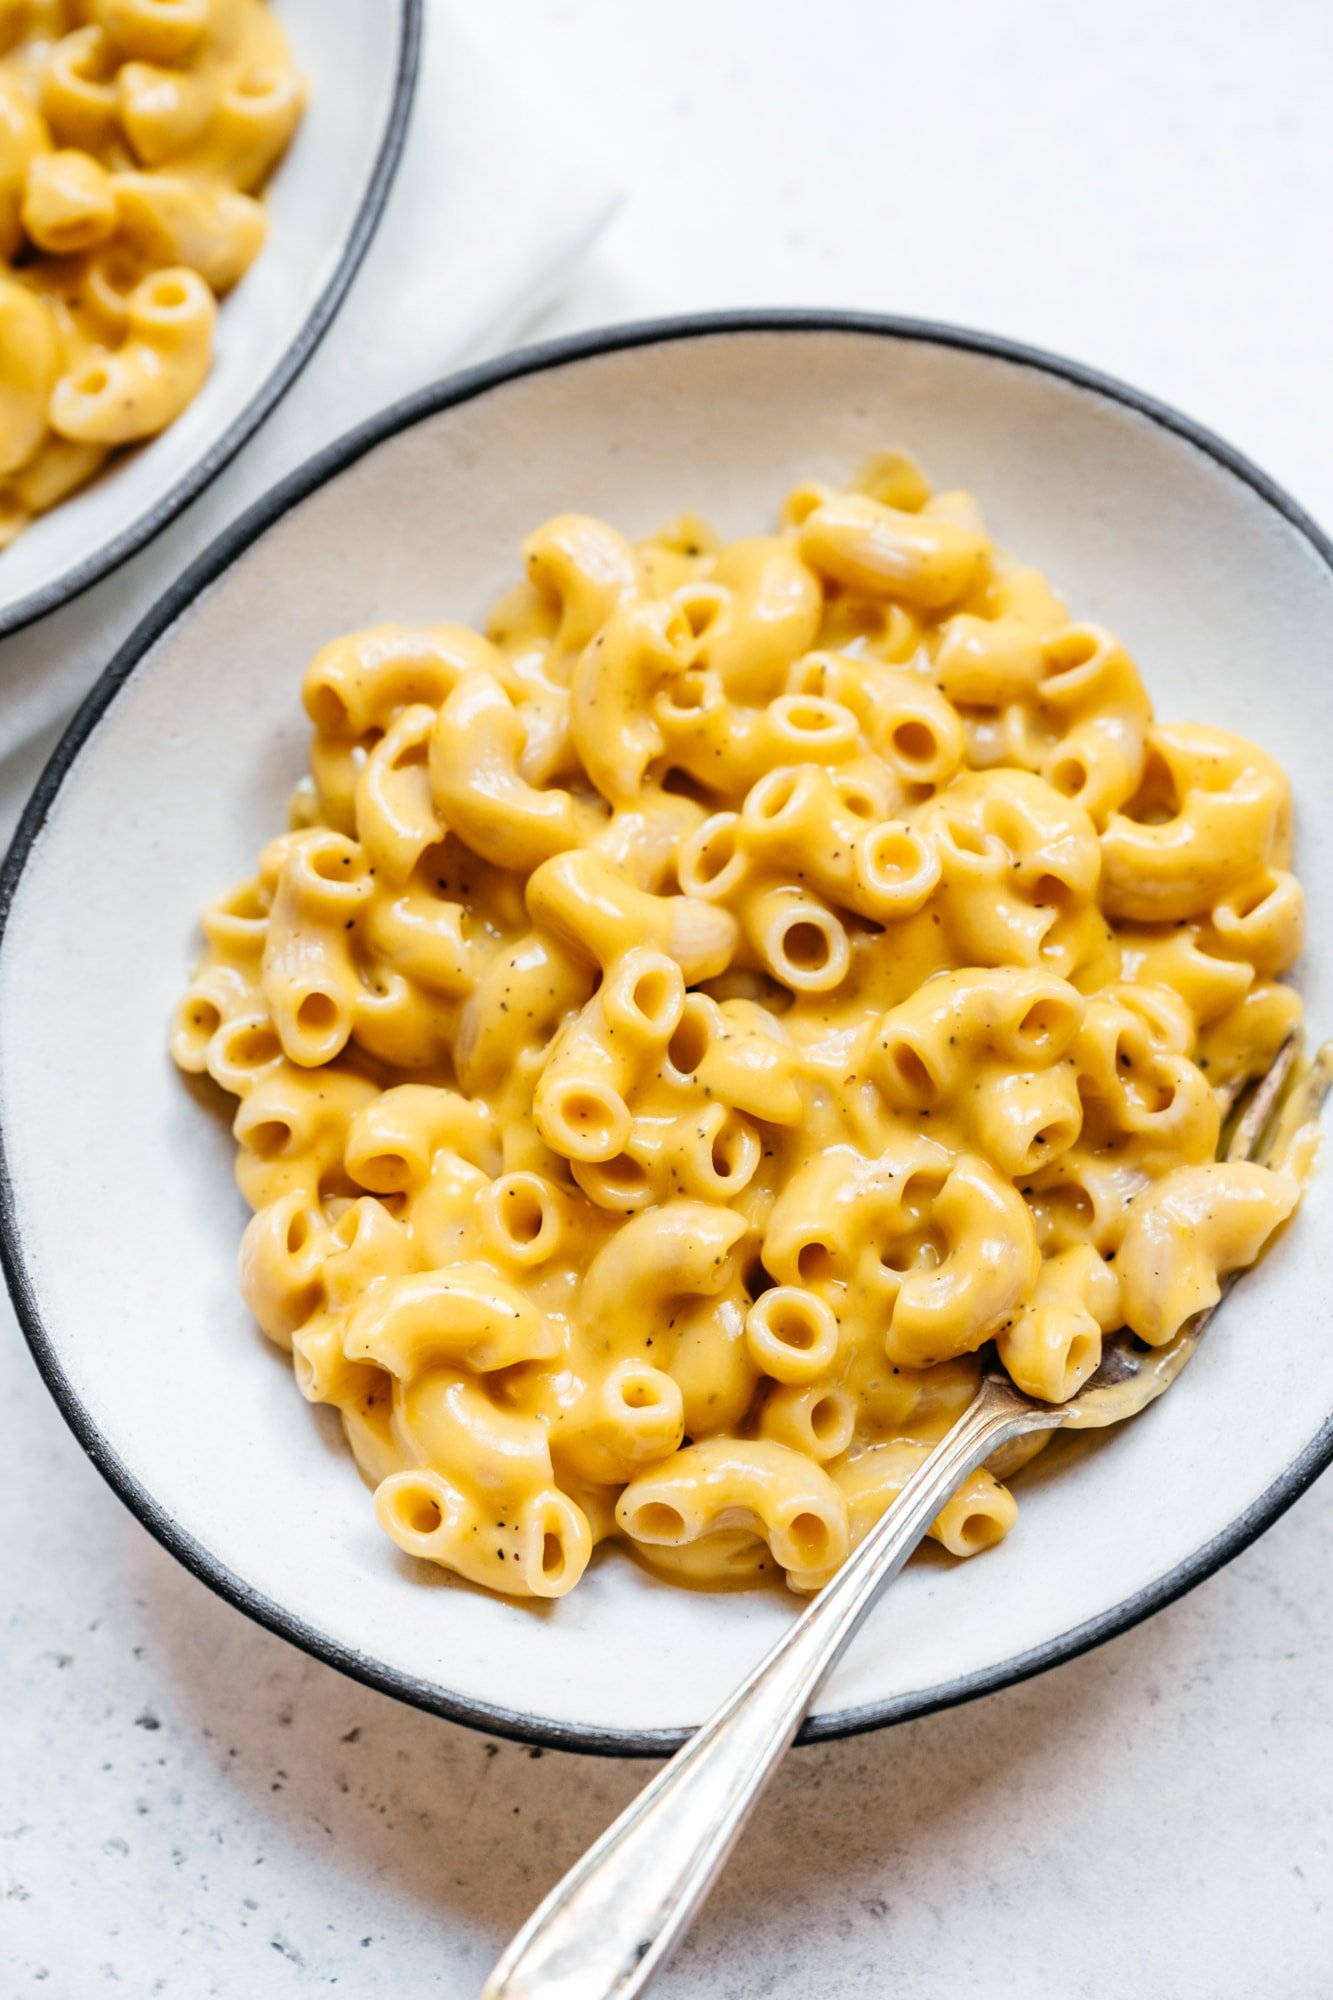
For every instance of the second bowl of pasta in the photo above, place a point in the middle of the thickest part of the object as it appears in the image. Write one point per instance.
(708, 929)
(185, 194)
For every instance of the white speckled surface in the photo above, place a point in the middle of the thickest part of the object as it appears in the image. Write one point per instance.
(187, 1807)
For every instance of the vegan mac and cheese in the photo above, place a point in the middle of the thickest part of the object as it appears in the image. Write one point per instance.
(685, 1025)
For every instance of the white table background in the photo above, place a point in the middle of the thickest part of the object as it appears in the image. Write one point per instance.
(190, 1808)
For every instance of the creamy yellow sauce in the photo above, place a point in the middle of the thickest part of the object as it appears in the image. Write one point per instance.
(135, 140)
(688, 1022)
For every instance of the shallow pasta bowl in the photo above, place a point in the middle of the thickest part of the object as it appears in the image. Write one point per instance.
(323, 202)
(118, 1211)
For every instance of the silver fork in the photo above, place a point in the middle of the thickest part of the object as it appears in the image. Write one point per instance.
(610, 1925)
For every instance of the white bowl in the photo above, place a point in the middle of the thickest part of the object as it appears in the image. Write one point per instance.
(118, 1211)
(324, 202)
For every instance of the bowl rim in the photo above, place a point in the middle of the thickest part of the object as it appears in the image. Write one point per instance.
(231, 545)
(90, 569)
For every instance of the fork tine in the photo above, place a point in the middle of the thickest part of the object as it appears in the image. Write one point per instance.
(1123, 1367)
(1250, 1127)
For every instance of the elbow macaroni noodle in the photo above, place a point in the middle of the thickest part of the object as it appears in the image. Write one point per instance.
(135, 139)
(685, 1025)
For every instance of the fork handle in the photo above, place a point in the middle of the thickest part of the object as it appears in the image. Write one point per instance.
(610, 1925)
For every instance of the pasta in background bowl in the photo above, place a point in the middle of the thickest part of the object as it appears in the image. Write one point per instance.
(1218, 589)
(185, 194)
(138, 142)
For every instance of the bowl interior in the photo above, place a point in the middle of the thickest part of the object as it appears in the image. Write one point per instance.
(351, 54)
(123, 1214)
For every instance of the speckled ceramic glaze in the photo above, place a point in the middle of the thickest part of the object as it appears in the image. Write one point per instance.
(120, 1217)
(324, 201)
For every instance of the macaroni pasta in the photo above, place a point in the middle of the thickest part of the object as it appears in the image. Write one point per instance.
(682, 1027)
(135, 138)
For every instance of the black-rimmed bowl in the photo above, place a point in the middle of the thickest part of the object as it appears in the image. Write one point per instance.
(117, 1209)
